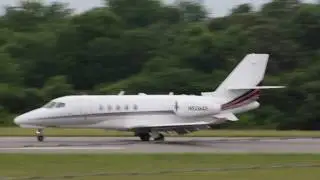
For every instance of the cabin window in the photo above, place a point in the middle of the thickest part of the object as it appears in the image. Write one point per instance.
(101, 107)
(135, 107)
(118, 107)
(126, 107)
(109, 107)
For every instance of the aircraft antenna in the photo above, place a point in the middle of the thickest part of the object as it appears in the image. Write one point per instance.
(121, 93)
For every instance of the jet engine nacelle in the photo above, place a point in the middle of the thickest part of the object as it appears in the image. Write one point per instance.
(191, 108)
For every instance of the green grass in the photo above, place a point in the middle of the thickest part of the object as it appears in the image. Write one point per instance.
(19, 165)
(14, 131)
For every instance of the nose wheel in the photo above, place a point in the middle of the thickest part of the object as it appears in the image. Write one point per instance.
(39, 134)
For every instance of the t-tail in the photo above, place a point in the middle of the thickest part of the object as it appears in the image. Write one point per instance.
(243, 85)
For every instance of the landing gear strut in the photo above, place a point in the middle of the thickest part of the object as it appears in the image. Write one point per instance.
(157, 136)
(39, 134)
(160, 137)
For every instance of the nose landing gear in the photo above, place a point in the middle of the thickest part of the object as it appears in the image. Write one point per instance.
(39, 134)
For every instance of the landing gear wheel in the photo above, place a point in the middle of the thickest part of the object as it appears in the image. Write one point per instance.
(144, 136)
(159, 138)
(40, 136)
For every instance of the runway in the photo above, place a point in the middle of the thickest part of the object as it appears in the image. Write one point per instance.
(171, 145)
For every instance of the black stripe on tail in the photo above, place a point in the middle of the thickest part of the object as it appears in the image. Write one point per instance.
(251, 94)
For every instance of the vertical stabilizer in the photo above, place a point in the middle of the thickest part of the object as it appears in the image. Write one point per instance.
(248, 73)
(243, 85)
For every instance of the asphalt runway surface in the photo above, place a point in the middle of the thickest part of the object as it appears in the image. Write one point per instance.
(170, 145)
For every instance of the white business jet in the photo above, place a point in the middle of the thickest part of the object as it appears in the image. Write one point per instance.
(151, 115)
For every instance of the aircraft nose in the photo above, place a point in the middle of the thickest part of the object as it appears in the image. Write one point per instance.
(19, 119)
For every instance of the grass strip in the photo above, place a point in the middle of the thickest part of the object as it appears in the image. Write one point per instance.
(14, 131)
(159, 166)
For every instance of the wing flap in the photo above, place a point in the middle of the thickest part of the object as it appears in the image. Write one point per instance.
(180, 128)
(192, 125)
(173, 125)
(227, 116)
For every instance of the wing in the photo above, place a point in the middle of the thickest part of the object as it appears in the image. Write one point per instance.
(187, 127)
(180, 128)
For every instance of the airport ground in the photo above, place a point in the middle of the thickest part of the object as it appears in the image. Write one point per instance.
(207, 155)
(160, 166)
(15, 131)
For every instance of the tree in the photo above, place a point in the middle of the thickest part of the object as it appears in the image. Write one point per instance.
(57, 86)
(243, 8)
(136, 13)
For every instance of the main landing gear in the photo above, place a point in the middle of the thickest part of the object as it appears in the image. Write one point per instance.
(39, 134)
(155, 135)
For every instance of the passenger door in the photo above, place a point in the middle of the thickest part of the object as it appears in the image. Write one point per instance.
(89, 110)
(74, 113)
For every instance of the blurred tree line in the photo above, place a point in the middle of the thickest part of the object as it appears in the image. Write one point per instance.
(47, 51)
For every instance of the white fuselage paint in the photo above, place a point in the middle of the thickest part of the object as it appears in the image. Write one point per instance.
(127, 111)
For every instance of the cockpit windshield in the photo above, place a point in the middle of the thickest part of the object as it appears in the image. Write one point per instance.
(60, 105)
(53, 104)
(49, 105)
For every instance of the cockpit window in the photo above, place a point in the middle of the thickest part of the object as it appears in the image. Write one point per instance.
(60, 105)
(53, 104)
(50, 104)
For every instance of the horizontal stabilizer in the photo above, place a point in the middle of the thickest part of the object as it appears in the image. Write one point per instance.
(227, 116)
(256, 87)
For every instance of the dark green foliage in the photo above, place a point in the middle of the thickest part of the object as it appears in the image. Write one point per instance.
(146, 46)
